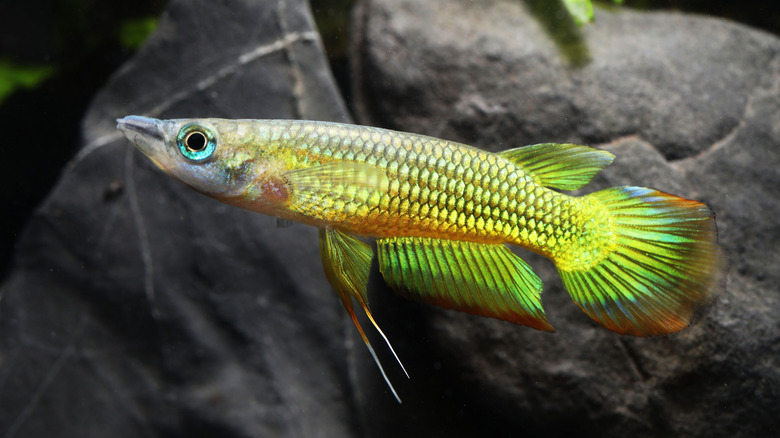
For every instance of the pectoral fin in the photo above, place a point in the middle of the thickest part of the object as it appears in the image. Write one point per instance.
(560, 166)
(482, 279)
(341, 178)
(347, 263)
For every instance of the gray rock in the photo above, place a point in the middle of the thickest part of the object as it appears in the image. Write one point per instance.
(139, 308)
(689, 105)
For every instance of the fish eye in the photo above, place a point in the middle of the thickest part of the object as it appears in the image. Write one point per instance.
(196, 142)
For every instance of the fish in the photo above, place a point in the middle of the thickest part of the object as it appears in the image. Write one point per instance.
(636, 260)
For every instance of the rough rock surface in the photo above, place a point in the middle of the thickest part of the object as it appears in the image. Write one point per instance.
(689, 105)
(137, 307)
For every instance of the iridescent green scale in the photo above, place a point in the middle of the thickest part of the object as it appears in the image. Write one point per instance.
(440, 189)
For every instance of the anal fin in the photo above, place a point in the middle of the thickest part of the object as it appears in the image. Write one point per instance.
(347, 263)
(482, 279)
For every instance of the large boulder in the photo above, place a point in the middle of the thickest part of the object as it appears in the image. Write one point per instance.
(137, 307)
(689, 105)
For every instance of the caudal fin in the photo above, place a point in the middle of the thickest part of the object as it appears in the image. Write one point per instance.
(664, 263)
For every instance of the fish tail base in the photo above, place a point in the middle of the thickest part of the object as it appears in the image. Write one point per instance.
(662, 263)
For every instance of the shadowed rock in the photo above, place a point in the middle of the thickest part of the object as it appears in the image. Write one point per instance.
(689, 105)
(137, 307)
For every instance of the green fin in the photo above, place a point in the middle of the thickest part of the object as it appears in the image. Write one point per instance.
(664, 263)
(560, 166)
(344, 178)
(482, 279)
(347, 263)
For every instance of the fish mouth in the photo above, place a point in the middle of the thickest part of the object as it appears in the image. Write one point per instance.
(145, 126)
(147, 134)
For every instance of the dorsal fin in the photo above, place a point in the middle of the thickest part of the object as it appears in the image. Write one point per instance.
(560, 166)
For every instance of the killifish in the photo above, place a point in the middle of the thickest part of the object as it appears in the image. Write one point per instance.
(638, 261)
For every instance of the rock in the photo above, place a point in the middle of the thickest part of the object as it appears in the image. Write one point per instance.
(689, 105)
(137, 307)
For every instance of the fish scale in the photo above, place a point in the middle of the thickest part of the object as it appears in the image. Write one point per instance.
(438, 188)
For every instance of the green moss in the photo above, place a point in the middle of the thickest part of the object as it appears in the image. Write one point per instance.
(14, 76)
(133, 32)
(580, 10)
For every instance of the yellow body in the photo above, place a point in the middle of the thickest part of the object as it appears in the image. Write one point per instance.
(432, 188)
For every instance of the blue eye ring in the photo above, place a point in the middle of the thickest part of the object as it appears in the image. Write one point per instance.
(196, 142)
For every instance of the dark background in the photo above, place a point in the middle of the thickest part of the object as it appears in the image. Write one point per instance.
(82, 42)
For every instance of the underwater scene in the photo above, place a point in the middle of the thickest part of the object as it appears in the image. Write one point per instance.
(383, 218)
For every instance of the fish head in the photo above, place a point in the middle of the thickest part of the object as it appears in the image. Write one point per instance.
(205, 154)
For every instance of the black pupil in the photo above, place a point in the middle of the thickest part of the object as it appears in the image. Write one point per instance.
(196, 141)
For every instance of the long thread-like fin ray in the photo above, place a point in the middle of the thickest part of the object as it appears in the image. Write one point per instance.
(663, 263)
(483, 279)
(560, 166)
(348, 305)
(347, 263)
(387, 341)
